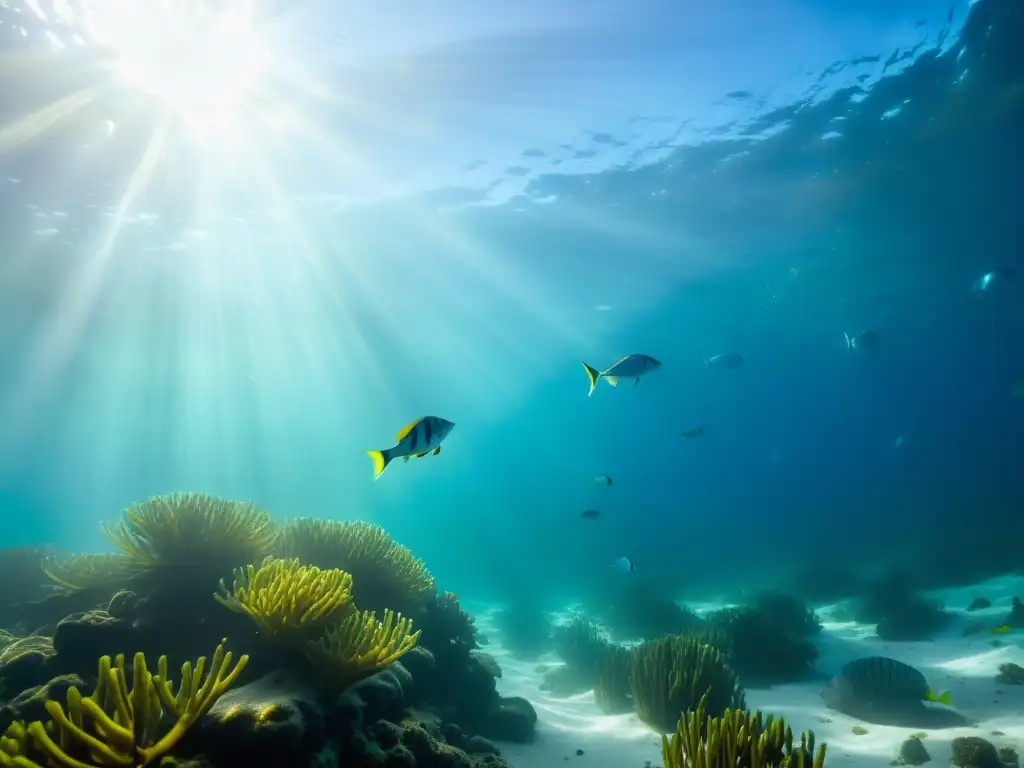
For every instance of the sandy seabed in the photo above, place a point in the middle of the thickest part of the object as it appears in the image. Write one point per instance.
(966, 666)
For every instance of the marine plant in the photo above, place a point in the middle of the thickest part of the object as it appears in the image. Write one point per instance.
(898, 610)
(183, 543)
(525, 627)
(77, 573)
(641, 611)
(385, 574)
(290, 602)
(360, 646)
(670, 675)
(583, 647)
(448, 631)
(117, 726)
(788, 611)
(764, 647)
(612, 691)
(737, 739)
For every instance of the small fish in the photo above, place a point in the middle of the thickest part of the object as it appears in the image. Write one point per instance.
(623, 565)
(590, 514)
(987, 280)
(603, 480)
(695, 432)
(897, 442)
(863, 340)
(628, 367)
(727, 361)
(1002, 629)
(418, 438)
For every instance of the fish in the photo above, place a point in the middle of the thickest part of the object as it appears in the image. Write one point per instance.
(628, 367)
(603, 479)
(882, 690)
(695, 432)
(987, 280)
(623, 565)
(862, 340)
(1002, 629)
(590, 514)
(727, 361)
(418, 438)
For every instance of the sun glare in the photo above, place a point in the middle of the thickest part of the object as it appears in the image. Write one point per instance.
(199, 62)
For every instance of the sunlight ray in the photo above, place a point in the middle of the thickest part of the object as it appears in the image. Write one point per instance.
(35, 125)
(63, 334)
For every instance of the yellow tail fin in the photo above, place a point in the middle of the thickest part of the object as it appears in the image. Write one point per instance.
(593, 374)
(380, 462)
(942, 698)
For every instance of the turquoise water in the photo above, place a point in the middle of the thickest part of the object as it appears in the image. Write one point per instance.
(237, 277)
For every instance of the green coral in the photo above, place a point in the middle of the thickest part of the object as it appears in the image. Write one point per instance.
(669, 676)
(737, 739)
(583, 647)
(287, 600)
(183, 543)
(612, 691)
(385, 574)
(76, 573)
(117, 727)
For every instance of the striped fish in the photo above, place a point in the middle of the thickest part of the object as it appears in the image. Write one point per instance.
(878, 680)
(419, 438)
(628, 367)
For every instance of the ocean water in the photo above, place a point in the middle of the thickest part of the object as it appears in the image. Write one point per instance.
(236, 257)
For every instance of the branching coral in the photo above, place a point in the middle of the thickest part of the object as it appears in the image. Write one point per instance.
(386, 575)
(76, 573)
(737, 739)
(670, 675)
(763, 647)
(289, 601)
(118, 727)
(360, 646)
(186, 542)
(448, 631)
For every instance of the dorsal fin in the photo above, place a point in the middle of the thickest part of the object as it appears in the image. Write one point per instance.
(407, 429)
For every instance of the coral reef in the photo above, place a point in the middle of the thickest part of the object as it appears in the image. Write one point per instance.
(1010, 674)
(583, 648)
(767, 641)
(385, 574)
(671, 675)
(322, 677)
(182, 544)
(118, 726)
(290, 602)
(613, 692)
(640, 611)
(736, 739)
(898, 611)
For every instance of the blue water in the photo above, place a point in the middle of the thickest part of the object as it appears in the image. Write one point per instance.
(443, 209)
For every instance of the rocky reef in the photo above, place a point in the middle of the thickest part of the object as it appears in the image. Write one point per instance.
(331, 645)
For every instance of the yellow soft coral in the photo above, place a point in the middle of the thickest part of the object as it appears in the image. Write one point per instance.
(289, 600)
(116, 727)
(360, 646)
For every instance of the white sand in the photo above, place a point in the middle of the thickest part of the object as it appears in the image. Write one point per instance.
(964, 665)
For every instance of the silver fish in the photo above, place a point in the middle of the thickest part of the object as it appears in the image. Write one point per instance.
(727, 361)
(417, 438)
(628, 367)
(863, 340)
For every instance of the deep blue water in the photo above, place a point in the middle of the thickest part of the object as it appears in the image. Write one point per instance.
(484, 198)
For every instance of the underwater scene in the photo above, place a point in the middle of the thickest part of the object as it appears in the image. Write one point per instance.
(511, 385)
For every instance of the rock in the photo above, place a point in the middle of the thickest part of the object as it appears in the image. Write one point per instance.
(1010, 674)
(514, 719)
(487, 662)
(82, 638)
(974, 752)
(979, 603)
(912, 752)
(381, 696)
(275, 720)
(30, 704)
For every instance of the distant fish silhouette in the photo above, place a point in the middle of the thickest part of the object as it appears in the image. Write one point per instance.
(603, 479)
(623, 565)
(727, 361)
(863, 340)
(695, 432)
(590, 514)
